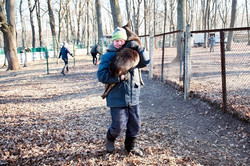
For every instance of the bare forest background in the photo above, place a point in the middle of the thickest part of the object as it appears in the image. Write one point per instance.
(37, 23)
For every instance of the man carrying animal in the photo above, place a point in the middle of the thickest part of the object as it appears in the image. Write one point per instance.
(123, 99)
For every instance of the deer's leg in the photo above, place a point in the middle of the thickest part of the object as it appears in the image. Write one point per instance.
(140, 76)
(105, 94)
(105, 90)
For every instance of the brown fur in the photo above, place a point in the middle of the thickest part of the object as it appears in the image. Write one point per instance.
(125, 60)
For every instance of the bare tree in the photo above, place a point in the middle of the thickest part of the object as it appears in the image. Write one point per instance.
(31, 9)
(190, 13)
(52, 27)
(171, 22)
(223, 12)
(215, 14)
(128, 10)
(83, 39)
(23, 33)
(116, 13)
(61, 15)
(72, 28)
(248, 24)
(67, 21)
(8, 28)
(181, 24)
(88, 29)
(79, 12)
(136, 15)
(206, 11)
(38, 16)
(145, 23)
(230, 34)
(99, 24)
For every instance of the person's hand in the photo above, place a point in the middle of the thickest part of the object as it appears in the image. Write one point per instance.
(125, 77)
(134, 45)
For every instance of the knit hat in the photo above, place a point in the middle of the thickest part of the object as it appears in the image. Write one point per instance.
(119, 33)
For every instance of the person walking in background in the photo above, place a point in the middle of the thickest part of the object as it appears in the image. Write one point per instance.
(94, 51)
(64, 54)
(123, 99)
(212, 43)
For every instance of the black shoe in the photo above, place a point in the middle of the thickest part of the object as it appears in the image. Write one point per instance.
(130, 146)
(110, 146)
(110, 143)
(63, 73)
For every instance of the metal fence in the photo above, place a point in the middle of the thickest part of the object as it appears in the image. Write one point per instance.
(220, 77)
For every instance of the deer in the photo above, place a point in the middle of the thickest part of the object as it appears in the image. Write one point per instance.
(126, 59)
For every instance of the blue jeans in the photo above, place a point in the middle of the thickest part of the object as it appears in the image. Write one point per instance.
(123, 117)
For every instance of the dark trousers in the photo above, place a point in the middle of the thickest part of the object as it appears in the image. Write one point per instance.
(94, 58)
(65, 65)
(125, 117)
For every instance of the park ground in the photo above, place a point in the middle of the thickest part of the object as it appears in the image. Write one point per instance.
(51, 119)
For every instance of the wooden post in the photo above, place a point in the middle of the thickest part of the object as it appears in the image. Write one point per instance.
(223, 72)
(187, 64)
(180, 37)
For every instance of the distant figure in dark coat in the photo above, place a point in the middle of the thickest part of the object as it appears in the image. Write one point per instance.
(94, 51)
(64, 53)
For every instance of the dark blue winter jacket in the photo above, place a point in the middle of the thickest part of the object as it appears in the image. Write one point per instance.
(124, 93)
(64, 53)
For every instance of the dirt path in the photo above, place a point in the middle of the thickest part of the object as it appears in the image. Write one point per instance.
(54, 119)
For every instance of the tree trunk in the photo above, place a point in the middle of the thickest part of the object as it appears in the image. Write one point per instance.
(78, 16)
(145, 23)
(128, 11)
(181, 24)
(248, 24)
(72, 29)
(31, 9)
(38, 15)
(137, 17)
(205, 21)
(83, 39)
(61, 14)
(99, 22)
(116, 13)
(215, 14)
(154, 23)
(67, 21)
(52, 27)
(230, 34)
(8, 26)
(23, 33)
(88, 29)
(172, 26)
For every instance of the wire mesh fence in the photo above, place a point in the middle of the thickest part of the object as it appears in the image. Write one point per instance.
(238, 73)
(206, 67)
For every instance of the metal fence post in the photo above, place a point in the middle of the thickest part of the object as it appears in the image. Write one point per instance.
(187, 64)
(223, 72)
(47, 59)
(162, 58)
(151, 55)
